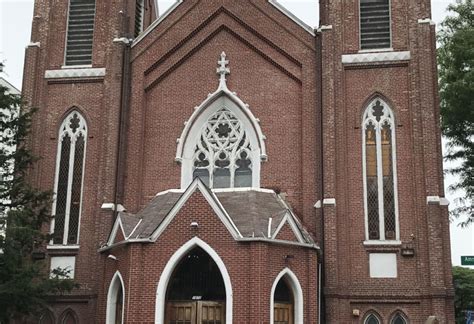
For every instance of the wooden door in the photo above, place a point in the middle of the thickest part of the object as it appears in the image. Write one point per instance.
(180, 313)
(201, 312)
(211, 313)
(283, 313)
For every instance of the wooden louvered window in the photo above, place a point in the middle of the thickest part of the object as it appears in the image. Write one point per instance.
(375, 24)
(80, 32)
(380, 172)
(139, 15)
(69, 173)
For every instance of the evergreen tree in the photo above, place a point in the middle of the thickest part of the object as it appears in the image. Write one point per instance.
(456, 74)
(25, 281)
(464, 292)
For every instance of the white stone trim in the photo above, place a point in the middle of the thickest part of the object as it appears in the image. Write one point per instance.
(62, 247)
(168, 272)
(376, 57)
(75, 73)
(290, 15)
(123, 40)
(426, 21)
(433, 200)
(113, 207)
(324, 28)
(444, 201)
(112, 297)
(391, 119)
(379, 242)
(34, 44)
(329, 202)
(157, 21)
(243, 189)
(317, 205)
(297, 295)
(213, 202)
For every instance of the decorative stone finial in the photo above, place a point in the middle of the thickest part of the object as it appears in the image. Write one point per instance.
(223, 70)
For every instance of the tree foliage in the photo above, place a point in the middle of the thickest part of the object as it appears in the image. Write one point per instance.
(25, 283)
(456, 74)
(464, 289)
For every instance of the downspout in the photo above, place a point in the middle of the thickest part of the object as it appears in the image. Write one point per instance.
(321, 272)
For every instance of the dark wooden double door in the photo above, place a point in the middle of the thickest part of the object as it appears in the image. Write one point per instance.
(199, 312)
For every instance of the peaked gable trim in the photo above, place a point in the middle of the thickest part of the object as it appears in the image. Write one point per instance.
(288, 219)
(211, 198)
(290, 15)
(113, 234)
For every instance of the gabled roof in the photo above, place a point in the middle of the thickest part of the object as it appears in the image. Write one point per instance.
(248, 214)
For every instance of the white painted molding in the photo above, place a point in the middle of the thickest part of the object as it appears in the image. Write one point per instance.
(376, 57)
(295, 286)
(380, 242)
(324, 28)
(433, 200)
(243, 189)
(156, 22)
(123, 40)
(444, 201)
(426, 21)
(113, 207)
(290, 15)
(329, 202)
(63, 247)
(318, 204)
(34, 44)
(112, 298)
(170, 267)
(296, 231)
(74, 73)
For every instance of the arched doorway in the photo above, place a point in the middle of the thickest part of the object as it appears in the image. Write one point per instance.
(284, 303)
(196, 291)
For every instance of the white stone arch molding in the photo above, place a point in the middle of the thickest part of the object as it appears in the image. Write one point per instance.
(223, 97)
(173, 263)
(297, 291)
(114, 286)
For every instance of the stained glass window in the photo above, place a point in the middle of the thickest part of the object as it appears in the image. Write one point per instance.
(379, 172)
(69, 174)
(222, 153)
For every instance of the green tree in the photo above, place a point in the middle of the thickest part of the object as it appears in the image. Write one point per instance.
(25, 282)
(464, 289)
(456, 75)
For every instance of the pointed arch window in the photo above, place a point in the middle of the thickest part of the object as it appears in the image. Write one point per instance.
(372, 319)
(222, 157)
(47, 318)
(399, 319)
(381, 210)
(115, 300)
(69, 317)
(69, 179)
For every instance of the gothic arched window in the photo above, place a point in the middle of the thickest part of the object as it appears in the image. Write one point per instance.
(69, 179)
(69, 317)
(399, 319)
(380, 172)
(372, 319)
(222, 156)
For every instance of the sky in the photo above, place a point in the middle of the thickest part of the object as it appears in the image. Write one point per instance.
(15, 31)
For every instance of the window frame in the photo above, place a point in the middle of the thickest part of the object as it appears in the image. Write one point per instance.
(70, 178)
(381, 211)
(401, 315)
(385, 49)
(372, 314)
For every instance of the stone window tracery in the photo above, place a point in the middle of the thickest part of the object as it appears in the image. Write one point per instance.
(380, 172)
(69, 177)
(222, 157)
(372, 319)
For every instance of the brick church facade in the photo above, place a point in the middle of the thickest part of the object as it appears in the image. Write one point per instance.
(301, 183)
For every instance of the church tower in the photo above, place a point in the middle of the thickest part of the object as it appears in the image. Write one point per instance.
(386, 230)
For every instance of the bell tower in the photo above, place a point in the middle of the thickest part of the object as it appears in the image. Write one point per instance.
(386, 229)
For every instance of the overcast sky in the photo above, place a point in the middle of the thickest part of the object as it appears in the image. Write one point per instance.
(15, 30)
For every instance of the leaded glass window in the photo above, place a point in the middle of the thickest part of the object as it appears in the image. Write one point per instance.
(222, 155)
(398, 319)
(379, 172)
(372, 319)
(69, 174)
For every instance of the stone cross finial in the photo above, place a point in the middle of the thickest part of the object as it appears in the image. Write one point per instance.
(223, 70)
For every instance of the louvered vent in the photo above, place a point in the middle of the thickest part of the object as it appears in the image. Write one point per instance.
(80, 32)
(139, 13)
(374, 24)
